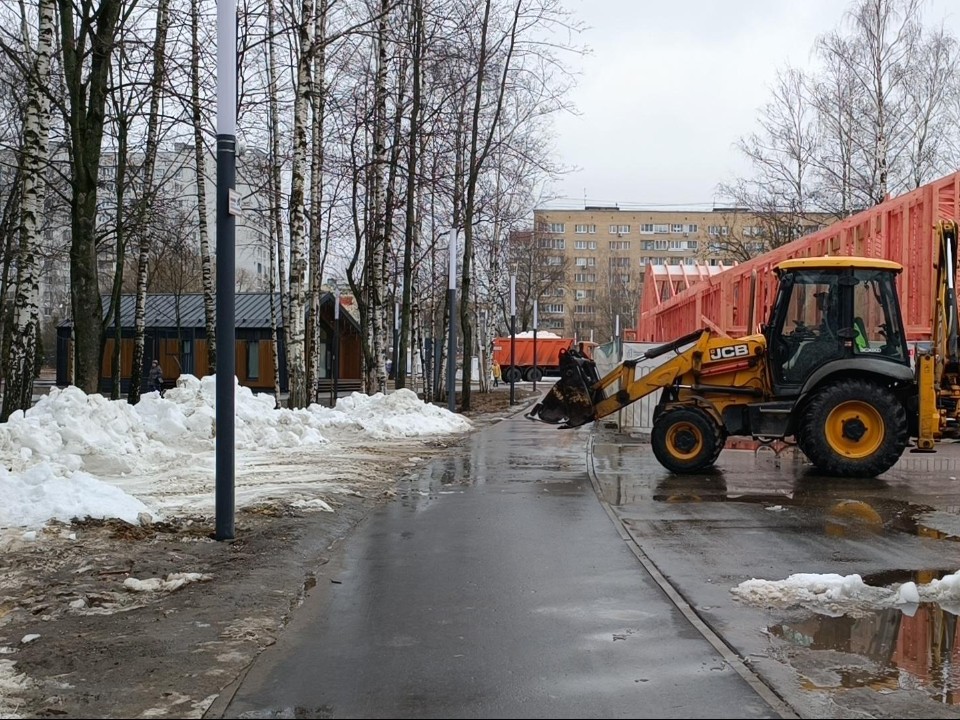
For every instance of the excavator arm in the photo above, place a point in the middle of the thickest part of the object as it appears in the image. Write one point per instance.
(938, 371)
(581, 396)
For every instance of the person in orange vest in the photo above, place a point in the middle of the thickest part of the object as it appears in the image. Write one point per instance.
(496, 374)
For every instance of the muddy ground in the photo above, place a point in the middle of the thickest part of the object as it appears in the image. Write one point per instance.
(110, 620)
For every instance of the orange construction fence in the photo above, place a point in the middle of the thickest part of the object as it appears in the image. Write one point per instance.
(899, 229)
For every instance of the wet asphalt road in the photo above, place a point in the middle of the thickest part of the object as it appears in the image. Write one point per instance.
(497, 586)
(549, 573)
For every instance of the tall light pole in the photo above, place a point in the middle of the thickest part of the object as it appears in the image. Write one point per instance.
(616, 335)
(452, 344)
(226, 264)
(336, 348)
(513, 338)
(396, 334)
(534, 376)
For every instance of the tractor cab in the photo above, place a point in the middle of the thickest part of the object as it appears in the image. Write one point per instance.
(833, 310)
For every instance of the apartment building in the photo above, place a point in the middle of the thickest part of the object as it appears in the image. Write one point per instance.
(606, 251)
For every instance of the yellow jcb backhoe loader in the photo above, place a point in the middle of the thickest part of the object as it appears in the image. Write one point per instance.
(830, 369)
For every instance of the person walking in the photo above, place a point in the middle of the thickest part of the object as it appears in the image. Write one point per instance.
(155, 378)
(496, 374)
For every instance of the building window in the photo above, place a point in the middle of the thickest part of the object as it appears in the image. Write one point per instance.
(619, 229)
(253, 360)
(584, 229)
(554, 260)
(583, 309)
(585, 277)
(676, 228)
(553, 308)
(555, 228)
(664, 228)
(646, 229)
(692, 228)
(692, 244)
(619, 262)
(677, 245)
(619, 244)
(551, 243)
(584, 245)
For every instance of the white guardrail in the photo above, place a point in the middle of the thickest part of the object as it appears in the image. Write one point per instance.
(636, 418)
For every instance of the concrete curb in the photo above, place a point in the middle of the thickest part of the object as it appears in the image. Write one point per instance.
(778, 704)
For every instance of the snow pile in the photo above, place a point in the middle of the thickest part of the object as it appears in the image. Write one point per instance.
(76, 455)
(836, 595)
(173, 581)
(541, 335)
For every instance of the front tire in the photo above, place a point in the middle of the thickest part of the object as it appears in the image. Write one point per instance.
(853, 428)
(686, 440)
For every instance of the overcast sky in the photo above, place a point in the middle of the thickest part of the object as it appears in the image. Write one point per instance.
(670, 85)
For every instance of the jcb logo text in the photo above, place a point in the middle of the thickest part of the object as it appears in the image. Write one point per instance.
(730, 351)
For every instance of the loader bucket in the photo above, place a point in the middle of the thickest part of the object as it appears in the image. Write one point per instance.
(570, 402)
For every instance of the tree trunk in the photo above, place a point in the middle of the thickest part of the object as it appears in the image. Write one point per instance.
(85, 123)
(199, 159)
(411, 232)
(276, 199)
(148, 198)
(377, 371)
(317, 255)
(296, 360)
(21, 361)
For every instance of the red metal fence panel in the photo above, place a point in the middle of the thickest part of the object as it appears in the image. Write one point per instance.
(899, 229)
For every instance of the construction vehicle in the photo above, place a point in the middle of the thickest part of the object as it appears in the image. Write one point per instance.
(830, 371)
(519, 362)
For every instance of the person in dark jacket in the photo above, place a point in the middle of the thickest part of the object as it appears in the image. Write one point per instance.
(155, 379)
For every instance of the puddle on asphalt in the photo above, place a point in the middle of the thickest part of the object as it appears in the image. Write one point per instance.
(851, 507)
(905, 651)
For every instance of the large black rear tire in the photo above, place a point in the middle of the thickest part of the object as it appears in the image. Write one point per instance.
(686, 440)
(853, 428)
(513, 375)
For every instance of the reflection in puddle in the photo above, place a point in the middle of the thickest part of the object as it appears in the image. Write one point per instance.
(921, 650)
(851, 508)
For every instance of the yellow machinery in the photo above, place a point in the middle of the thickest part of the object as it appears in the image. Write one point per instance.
(830, 369)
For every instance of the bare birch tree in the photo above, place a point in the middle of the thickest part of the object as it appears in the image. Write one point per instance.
(199, 161)
(148, 196)
(22, 359)
(299, 255)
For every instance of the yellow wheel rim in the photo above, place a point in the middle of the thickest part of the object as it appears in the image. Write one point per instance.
(855, 429)
(684, 440)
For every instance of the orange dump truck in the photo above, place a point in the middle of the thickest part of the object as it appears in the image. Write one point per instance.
(524, 367)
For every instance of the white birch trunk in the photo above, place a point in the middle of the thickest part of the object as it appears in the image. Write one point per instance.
(296, 356)
(199, 159)
(21, 361)
(150, 159)
(377, 375)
